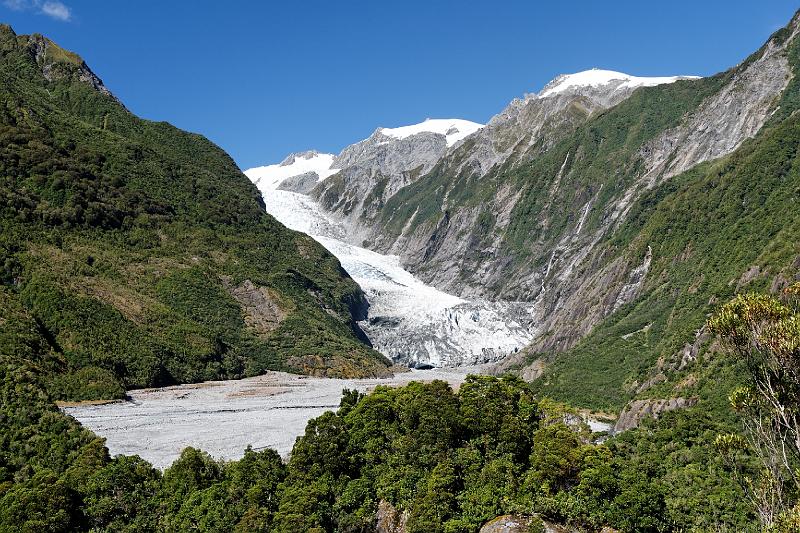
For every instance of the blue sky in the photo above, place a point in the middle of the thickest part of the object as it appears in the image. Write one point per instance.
(263, 79)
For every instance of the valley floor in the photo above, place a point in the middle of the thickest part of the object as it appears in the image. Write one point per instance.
(224, 417)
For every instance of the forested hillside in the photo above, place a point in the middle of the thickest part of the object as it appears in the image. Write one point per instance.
(142, 254)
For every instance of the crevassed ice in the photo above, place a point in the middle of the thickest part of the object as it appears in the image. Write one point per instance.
(409, 321)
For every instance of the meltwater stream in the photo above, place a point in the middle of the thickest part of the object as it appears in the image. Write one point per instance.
(409, 322)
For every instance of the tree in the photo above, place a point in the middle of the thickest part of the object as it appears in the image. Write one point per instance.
(121, 493)
(764, 332)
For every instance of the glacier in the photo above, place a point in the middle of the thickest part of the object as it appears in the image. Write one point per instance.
(409, 321)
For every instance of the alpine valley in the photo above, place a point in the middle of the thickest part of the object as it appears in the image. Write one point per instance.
(575, 247)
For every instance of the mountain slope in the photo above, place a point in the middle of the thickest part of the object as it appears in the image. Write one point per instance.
(682, 242)
(143, 254)
(374, 169)
(550, 201)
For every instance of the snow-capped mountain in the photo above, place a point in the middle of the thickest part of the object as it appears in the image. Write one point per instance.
(388, 152)
(313, 165)
(530, 207)
(453, 129)
(609, 79)
(370, 172)
(335, 198)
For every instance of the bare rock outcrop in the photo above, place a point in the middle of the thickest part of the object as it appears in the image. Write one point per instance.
(637, 410)
(57, 63)
(512, 523)
(372, 171)
(507, 524)
(389, 519)
(302, 183)
(260, 307)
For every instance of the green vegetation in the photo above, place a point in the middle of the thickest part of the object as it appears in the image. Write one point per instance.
(126, 241)
(765, 333)
(451, 461)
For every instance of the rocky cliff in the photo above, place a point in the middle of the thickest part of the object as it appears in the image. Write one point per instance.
(637, 410)
(371, 171)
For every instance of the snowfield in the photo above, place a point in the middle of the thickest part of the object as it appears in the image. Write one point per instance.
(271, 176)
(453, 129)
(598, 77)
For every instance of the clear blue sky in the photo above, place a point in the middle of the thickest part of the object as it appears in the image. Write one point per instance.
(263, 79)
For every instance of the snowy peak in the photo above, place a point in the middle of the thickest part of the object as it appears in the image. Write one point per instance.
(599, 78)
(295, 157)
(453, 129)
(320, 165)
(269, 177)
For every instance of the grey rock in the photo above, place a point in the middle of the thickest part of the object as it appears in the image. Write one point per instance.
(302, 183)
(260, 307)
(373, 170)
(42, 49)
(637, 410)
(513, 523)
(507, 524)
(389, 519)
(291, 158)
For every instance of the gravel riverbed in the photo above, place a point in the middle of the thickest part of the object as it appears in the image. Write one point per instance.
(224, 417)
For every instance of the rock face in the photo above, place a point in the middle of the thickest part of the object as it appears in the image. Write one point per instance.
(57, 63)
(374, 169)
(523, 524)
(302, 183)
(389, 519)
(637, 410)
(259, 306)
(507, 524)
